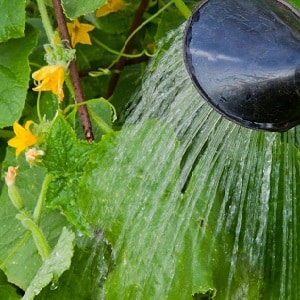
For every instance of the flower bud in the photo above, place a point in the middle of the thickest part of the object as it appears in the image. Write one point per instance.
(10, 176)
(32, 155)
(13, 192)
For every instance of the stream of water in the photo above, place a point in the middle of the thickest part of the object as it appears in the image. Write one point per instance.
(243, 183)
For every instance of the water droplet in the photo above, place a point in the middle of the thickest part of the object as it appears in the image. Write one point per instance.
(53, 286)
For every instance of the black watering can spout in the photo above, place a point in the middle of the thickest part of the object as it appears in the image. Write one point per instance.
(244, 58)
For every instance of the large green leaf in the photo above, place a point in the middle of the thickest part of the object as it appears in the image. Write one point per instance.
(81, 7)
(12, 16)
(281, 272)
(226, 235)
(130, 200)
(14, 76)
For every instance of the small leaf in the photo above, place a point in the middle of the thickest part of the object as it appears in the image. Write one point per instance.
(91, 262)
(14, 76)
(58, 262)
(65, 159)
(81, 7)
(98, 108)
(12, 16)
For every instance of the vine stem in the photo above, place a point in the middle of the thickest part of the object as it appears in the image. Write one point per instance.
(38, 104)
(45, 20)
(79, 97)
(38, 236)
(39, 205)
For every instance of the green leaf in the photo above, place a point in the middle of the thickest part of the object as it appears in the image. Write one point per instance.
(76, 9)
(130, 200)
(115, 23)
(12, 16)
(295, 3)
(97, 108)
(7, 291)
(14, 76)
(58, 262)
(282, 266)
(65, 159)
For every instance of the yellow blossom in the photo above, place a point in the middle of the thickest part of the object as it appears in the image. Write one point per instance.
(52, 79)
(79, 33)
(110, 7)
(23, 139)
(32, 155)
(10, 176)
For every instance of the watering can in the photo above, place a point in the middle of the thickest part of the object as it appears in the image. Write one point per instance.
(243, 56)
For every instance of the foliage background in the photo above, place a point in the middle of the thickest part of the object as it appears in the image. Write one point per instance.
(82, 235)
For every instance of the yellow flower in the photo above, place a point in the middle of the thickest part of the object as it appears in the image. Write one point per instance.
(110, 7)
(23, 139)
(52, 78)
(79, 33)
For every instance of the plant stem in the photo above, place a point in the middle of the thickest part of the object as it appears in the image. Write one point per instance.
(185, 11)
(79, 97)
(45, 19)
(70, 86)
(38, 105)
(38, 236)
(128, 62)
(117, 52)
(39, 205)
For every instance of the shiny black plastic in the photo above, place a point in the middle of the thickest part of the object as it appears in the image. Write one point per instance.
(244, 58)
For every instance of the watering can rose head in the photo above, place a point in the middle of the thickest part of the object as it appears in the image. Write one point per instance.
(245, 62)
